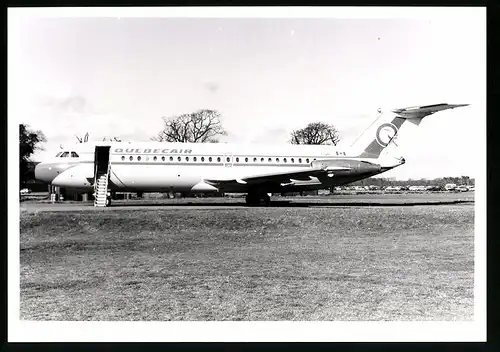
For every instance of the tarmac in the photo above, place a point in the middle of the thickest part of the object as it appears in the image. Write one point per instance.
(359, 200)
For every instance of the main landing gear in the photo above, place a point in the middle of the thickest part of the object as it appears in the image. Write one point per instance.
(109, 197)
(258, 199)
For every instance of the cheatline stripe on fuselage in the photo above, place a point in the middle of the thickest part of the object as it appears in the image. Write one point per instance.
(194, 163)
(233, 155)
(206, 163)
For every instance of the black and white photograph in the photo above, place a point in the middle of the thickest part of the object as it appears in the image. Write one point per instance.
(247, 174)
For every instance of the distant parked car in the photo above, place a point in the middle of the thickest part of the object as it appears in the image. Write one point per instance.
(471, 188)
(359, 189)
(450, 187)
(393, 189)
(25, 191)
(461, 189)
(416, 188)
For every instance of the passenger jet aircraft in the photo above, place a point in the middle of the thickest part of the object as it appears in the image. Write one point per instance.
(257, 170)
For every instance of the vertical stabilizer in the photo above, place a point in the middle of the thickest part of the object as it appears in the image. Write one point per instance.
(386, 127)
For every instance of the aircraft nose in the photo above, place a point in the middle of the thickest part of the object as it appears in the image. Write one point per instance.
(45, 172)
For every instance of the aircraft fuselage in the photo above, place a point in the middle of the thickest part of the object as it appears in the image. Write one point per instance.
(161, 167)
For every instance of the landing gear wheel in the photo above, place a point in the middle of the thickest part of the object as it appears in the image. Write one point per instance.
(267, 199)
(253, 199)
(108, 201)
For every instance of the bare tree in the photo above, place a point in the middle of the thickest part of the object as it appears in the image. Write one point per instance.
(85, 139)
(111, 139)
(197, 127)
(316, 133)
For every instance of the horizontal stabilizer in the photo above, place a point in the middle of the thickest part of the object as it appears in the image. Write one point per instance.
(422, 111)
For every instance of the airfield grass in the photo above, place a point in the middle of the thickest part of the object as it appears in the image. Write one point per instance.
(341, 263)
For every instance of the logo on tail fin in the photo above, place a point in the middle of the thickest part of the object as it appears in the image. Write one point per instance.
(385, 133)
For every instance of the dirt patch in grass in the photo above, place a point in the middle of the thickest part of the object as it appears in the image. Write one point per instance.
(355, 263)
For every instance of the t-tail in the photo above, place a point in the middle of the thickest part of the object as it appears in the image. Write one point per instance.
(386, 127)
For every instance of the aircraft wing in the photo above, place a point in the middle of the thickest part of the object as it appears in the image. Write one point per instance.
(305, 174)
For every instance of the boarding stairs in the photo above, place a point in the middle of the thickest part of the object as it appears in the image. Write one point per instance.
(101, 189)
(101, 177)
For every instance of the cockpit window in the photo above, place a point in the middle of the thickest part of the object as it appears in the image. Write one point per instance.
(57, 155)
(74, 155)
(64, 155)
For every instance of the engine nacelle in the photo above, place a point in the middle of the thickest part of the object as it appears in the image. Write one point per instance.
(347, 166)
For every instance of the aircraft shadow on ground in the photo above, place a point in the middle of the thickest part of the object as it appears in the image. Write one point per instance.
(292, 204)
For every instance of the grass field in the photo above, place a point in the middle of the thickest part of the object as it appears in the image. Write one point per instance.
(309, 263)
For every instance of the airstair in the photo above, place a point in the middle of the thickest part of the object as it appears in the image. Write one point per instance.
(101, 176)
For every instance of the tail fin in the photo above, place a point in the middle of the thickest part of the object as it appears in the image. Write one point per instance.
(386, 127)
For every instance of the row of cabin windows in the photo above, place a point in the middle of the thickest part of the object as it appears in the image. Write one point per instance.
(67, 154)
(228, 159)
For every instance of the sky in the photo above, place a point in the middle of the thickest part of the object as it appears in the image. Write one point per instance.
(117, 76)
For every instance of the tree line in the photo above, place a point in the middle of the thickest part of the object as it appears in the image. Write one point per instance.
(441, 182)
